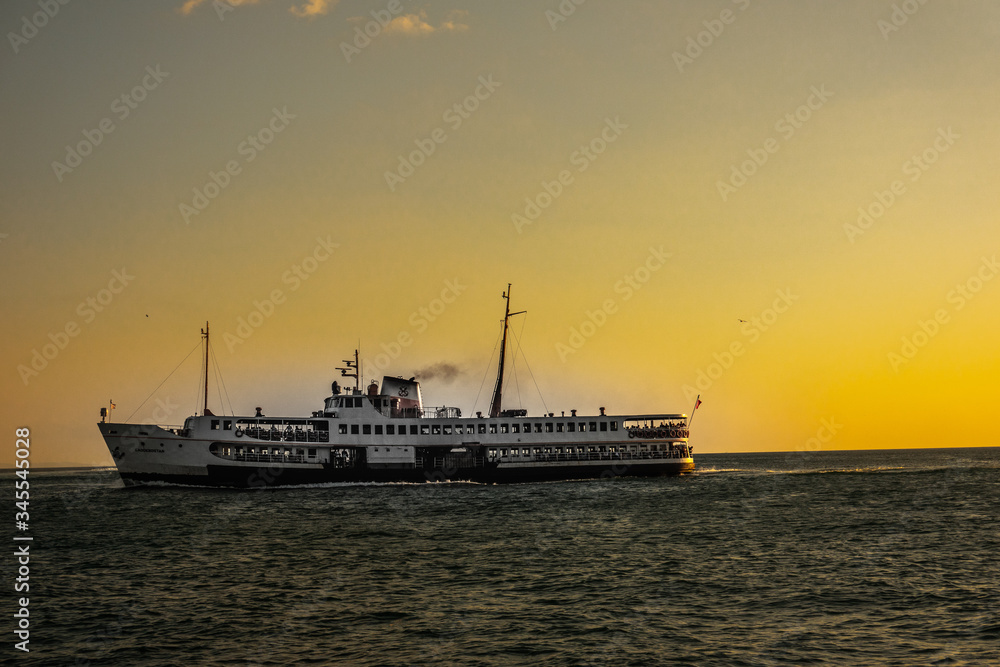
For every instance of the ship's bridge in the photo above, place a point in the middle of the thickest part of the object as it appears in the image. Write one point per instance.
(399, 398)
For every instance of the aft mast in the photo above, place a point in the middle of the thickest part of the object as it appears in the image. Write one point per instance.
(498, 391)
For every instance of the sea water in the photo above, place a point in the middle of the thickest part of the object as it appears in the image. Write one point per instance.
(803, 558)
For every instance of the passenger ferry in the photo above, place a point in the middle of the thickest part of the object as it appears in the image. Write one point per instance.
(385, 434)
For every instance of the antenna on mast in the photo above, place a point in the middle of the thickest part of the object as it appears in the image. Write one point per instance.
(352, 365)
(498, 391)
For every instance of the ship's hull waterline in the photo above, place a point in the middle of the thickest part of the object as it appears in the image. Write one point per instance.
(273, 476)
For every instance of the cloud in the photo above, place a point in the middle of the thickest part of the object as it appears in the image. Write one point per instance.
(409, 24)
(314, 8)
(416, 24)
(453, 24)
(190, 5)
(310, 9)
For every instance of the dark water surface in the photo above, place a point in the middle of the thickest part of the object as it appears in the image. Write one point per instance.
(826, 558)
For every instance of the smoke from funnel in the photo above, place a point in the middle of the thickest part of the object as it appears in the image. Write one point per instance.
(441, 371)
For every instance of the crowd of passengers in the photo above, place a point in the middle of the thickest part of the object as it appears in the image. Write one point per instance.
(611, 453)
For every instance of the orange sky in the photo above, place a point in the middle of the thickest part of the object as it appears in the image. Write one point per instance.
(646, 174)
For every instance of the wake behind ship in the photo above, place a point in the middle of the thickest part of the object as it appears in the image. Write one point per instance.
(386, 434)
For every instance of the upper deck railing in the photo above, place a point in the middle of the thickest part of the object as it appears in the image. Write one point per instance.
(442, 412)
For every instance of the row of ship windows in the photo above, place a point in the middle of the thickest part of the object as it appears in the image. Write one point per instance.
(538, 451)
(473, 429)
(357, 402)
(267, 451)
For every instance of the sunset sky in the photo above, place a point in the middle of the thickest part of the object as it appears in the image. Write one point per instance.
(646, 174)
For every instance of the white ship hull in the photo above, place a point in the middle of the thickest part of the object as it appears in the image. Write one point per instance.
(259, 452)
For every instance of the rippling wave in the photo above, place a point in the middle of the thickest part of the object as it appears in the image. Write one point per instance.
(821, 558)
